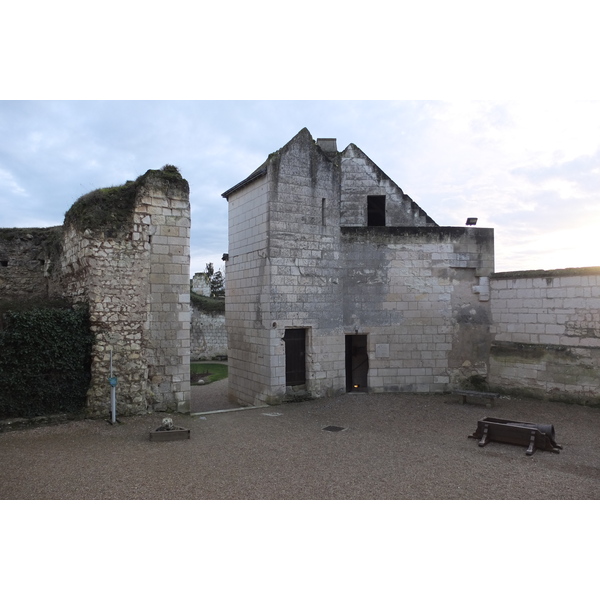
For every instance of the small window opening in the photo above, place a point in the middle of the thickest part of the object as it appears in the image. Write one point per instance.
(323, 203)
(3, 263)
(376, 211)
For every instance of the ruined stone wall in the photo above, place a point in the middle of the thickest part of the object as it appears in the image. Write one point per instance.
(546, 334)
(415, 293)
(201, 284)
(133, 272)
(28, 258)
(208, 338)
(163, 211)
(111, 274)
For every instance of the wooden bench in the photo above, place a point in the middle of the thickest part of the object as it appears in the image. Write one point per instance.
(489, 397)
(532, 435)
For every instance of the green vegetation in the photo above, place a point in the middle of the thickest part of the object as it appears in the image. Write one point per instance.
(21, 305)
(45, 358)
(111, 209)
(215, 280)
(208, 305)
(207, 372)
(48, 238)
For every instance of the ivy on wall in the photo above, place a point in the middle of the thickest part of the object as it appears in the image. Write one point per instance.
(45, 358)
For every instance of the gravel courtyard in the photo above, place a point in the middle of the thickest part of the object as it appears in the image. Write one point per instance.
(392, 446)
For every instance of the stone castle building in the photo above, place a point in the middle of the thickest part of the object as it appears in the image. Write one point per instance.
(337, 282)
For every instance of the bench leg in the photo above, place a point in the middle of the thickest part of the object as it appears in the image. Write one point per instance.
(483, 441)
(531, 448)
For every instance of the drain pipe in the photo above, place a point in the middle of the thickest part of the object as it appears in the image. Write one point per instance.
(113, 393)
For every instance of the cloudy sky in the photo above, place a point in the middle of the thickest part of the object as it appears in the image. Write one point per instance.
(529, 169)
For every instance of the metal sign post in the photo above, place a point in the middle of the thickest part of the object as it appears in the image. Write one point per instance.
(113, 393)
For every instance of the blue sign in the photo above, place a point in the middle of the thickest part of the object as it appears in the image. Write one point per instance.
(112, 381)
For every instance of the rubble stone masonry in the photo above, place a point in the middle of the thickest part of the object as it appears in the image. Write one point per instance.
(134, 275)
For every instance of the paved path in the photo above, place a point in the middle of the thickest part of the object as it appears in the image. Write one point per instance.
(210, 397)
(391, 446)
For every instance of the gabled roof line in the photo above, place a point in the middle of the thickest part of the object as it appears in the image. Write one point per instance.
(262, 170)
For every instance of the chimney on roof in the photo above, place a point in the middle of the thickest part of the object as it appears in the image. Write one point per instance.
(328, 145)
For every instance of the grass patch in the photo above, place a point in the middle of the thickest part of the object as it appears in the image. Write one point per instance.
(208, 372)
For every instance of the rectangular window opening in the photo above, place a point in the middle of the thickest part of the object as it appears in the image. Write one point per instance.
(323, 203)
(376, 211)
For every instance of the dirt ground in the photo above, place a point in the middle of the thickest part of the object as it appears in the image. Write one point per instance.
(389, 446)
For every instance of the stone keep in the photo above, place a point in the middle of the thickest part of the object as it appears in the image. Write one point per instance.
(338, 281)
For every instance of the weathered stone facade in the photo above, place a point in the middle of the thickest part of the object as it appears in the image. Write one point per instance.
(134, 275)
(330, 264)
(208, 338)
(324, 242)
(27, 257)
(201, 284)
(546, 334)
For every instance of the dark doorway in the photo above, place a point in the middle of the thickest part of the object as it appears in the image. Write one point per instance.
(357, 363)
(376, 211)
(295, 356)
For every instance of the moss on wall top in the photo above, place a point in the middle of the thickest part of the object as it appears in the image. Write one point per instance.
(36, 234)
(208, 305)
(43, 243)
(111, 209)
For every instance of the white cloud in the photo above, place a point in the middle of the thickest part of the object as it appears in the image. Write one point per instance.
(528, 169)
(8, 184)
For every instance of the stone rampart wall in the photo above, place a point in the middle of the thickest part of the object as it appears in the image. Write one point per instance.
(208, 338)
(163, 214)
(111, 274)
(28, 257)
(546, 334)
